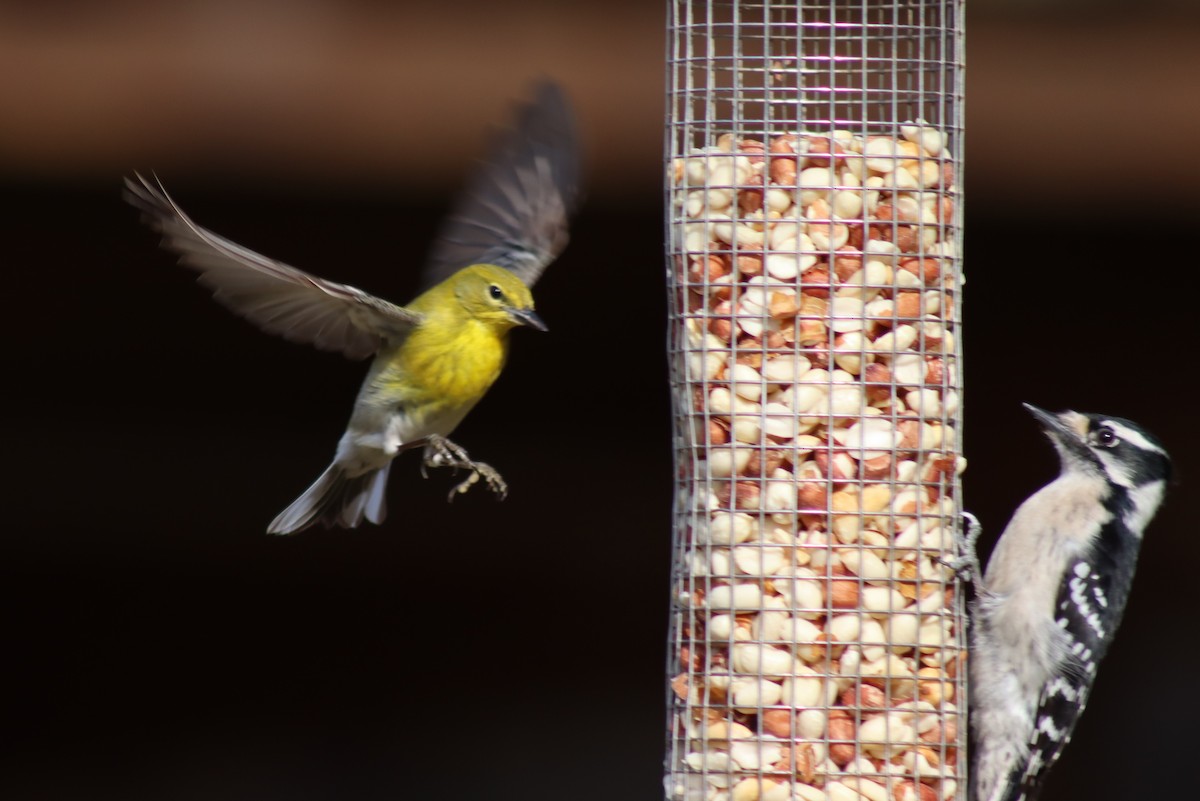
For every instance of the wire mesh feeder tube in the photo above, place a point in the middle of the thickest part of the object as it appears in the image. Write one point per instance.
(814, 224)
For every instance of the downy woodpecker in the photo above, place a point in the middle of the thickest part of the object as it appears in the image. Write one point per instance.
(1052, 597)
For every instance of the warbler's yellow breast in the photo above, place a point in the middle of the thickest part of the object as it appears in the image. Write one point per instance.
(449, 362)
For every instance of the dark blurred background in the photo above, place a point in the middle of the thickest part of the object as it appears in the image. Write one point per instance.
(159, 646)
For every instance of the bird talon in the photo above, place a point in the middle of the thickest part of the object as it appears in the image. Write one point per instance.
(495, 483)
(441, 452)
(462, 486)
(966, 565)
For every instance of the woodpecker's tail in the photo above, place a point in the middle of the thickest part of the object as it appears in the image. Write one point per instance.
(336, 499)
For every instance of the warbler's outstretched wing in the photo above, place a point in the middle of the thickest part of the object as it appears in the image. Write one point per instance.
(278, 298)
(514, 212)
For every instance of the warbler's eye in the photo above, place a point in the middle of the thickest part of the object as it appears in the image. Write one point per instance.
(1106, 437)
(496, 292)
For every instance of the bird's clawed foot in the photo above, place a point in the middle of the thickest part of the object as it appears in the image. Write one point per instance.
(966, 564)
(441, 452)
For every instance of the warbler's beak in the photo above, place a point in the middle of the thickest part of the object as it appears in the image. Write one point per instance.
(527, 317)
(1067, 430)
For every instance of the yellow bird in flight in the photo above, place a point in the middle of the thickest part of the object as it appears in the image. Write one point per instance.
(436, 357)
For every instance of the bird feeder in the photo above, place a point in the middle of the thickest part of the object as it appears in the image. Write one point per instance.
(814, 154)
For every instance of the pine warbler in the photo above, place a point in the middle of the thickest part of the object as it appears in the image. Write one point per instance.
(434, 358)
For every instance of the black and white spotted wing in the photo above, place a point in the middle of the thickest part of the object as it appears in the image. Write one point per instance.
(1082, 614)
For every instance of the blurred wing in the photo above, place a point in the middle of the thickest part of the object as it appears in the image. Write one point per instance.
(514, 212)
(279, 299)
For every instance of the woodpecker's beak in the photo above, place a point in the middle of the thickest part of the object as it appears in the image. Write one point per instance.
(527, 317)
(1068, 430)
(1049, 421)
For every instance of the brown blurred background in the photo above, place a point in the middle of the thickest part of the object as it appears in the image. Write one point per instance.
(159, 646)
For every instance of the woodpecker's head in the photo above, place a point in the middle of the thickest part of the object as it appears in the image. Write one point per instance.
(1117, 450)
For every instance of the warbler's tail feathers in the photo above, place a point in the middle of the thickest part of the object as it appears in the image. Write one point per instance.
(336, 500)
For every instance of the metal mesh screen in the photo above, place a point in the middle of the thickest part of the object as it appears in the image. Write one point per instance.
(814, 153)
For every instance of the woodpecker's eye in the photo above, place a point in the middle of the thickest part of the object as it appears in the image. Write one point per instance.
(496, 292)
(1106, 437)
